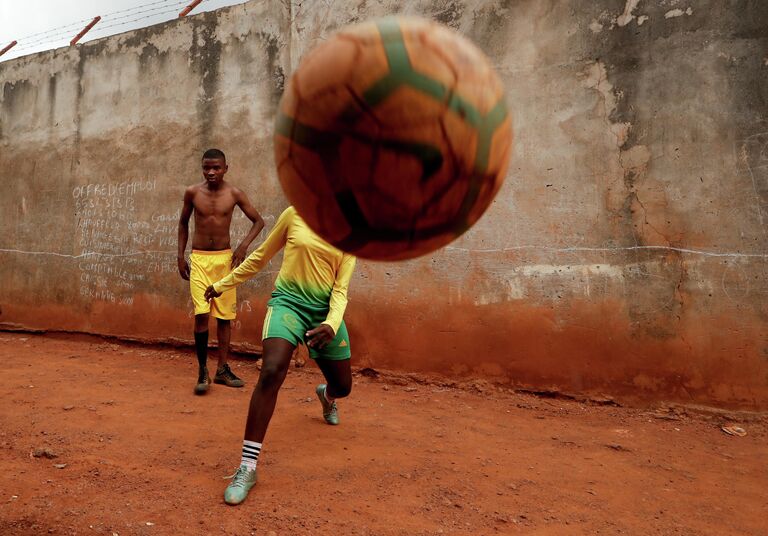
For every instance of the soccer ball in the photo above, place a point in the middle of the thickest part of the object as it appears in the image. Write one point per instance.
(392, 137)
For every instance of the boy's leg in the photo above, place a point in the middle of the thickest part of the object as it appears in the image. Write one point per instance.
(338, 375)
(275, 361)
(223, 336)
(224, 374)
(334, 361)
(274, 367)
(201, 349)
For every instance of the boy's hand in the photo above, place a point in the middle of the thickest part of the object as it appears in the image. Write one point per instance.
(211, 293)
(183, 268)
(320, 336)
(238, 256)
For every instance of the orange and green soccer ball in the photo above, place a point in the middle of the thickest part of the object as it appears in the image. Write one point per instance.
(392, 137)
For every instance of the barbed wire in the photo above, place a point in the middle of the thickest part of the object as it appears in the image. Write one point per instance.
(71, 25)
(79, 22)
(161, 10)
(173, 8)
(68, 34)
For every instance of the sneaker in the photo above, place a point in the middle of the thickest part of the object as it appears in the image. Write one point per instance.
(242, 482)
(227, 377)
(203, 382)
(330, 411)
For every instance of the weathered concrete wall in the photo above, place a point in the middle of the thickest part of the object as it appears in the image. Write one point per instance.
(626, 254)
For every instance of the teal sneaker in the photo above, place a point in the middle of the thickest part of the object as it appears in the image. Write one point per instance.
(242, 482)
(330, 411)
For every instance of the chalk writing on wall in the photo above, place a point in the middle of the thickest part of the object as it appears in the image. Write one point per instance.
(120, 247)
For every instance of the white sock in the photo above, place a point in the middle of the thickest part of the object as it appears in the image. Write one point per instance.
(251, 451)
(327, 397)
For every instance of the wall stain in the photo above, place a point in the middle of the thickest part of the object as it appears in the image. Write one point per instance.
(13, 95)
(205, 54)
(448, 12)
(272, 46)
(52, 99)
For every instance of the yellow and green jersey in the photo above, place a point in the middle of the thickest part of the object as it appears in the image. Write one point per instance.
(314, 274)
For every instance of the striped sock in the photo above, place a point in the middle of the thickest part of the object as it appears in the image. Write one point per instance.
(251, 451)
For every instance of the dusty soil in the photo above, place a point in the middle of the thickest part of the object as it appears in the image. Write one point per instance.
(134, 452)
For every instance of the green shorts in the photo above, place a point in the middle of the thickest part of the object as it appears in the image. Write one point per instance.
(291, 322)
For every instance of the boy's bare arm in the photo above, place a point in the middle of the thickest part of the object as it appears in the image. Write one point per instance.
(186, 213)
(252, 214)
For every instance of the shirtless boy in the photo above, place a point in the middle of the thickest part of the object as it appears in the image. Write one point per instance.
(213, 202)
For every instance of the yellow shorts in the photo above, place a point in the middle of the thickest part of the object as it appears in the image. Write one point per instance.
(207, 267)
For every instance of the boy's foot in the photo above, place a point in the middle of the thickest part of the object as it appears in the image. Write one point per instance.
(227, 377)
(203, 382)
(330, 411)
(242, 482)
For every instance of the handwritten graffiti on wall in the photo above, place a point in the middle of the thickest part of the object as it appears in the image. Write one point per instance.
(110, 230)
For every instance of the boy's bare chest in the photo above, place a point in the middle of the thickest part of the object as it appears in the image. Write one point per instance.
(213, 205)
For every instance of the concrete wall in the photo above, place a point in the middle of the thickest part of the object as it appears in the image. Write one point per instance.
(626, 254)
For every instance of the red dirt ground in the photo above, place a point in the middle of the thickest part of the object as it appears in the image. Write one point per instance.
(137, 453)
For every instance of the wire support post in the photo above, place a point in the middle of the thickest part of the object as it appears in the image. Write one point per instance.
(84, 31)
(8, 47)
(184, 12)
